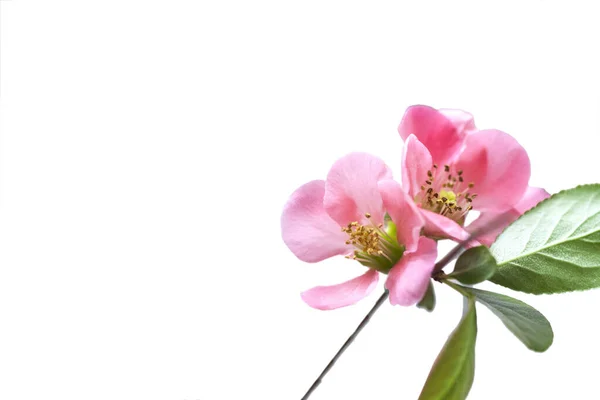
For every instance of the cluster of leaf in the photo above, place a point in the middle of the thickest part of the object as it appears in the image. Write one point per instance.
(552, 248)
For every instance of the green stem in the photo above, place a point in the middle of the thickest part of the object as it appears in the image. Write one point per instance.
(456, 287)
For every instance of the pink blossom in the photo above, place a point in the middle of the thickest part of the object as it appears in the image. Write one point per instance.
(449, 167)
(361, 213)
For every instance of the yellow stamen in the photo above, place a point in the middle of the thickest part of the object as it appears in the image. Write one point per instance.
(445, 192)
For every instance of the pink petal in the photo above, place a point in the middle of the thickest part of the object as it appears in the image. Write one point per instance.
(462, 120)
(351, 188)
(437, 225)
(498, 166)
(307, 229)
(488, 227)
(488, 221)
(434, 130)
(532, 196)
(416, 161)
(408, 279)
(404, 213)
(343, 294)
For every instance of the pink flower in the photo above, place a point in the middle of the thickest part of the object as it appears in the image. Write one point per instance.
(361, 213)
(450, 167)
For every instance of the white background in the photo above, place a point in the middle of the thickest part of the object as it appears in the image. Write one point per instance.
(147, 149)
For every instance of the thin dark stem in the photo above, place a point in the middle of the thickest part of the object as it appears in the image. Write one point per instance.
(438, 266)
(452, 254)
(348, 342)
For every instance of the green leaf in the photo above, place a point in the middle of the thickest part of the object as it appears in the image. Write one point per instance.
(428, 301)
(553, 248)
(463, 383)
(524, 321)
(474, 265)
(452, 374)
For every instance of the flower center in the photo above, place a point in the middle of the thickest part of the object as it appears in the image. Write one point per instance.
(445, 192)
(376, 245)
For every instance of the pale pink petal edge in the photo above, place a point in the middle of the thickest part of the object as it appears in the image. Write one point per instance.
(343, 294)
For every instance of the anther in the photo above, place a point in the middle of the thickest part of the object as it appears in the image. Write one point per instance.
(447, 168)
(367, 215)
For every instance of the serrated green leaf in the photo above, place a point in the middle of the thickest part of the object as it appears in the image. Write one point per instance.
(452, 374)
(428, 301)
(524, 321)
(474, 265)
(553, 248)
